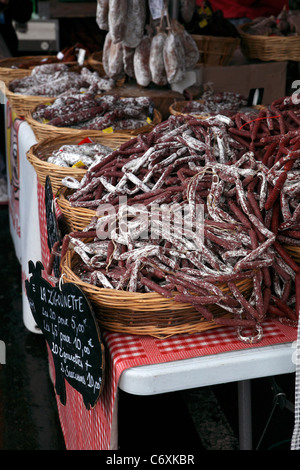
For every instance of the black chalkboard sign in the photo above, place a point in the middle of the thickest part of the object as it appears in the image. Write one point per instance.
(67, 321)
(53, 234)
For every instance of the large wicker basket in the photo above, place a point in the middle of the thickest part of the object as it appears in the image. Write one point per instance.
(43, 131)
(142, 314)
(266, 48)
(24, 104)
(215, 50)
(38, 154)
(294, 252)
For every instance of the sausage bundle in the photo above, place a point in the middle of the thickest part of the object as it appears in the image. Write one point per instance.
(132, 48)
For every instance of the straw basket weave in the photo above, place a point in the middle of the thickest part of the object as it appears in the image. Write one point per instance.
(142, 314)
(215, 50)
(294, 252)
(76, 218)
(22, 104)
(38, 154)
(42, 131)
(268, 48)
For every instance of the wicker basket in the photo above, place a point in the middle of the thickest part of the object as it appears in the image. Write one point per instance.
(9, 67)
(95, 62)
(142, 314)
(38, 154)
(215, 50)
(268, 48)
(43, 131)
(294, 252)
(76, 218)
(23, 104)
(176, 109)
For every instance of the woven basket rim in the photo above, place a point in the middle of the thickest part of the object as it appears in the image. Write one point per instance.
(163, 318)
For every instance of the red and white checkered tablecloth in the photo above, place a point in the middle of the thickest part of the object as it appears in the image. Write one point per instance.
(92, 429)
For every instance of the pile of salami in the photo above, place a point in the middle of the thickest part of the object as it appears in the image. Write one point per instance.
(57, 78)
(244, 174)
(83, 154)
(90, 111)
(161, 56)
(226, 103)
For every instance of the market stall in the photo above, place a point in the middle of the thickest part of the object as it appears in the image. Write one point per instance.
(151, 122)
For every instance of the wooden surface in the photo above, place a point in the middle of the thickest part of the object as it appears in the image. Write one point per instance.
(71, 9)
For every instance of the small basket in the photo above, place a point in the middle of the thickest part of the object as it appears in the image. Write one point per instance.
(142, 314)
(267, 48)
(42, 131)
(215, 50)
(9, 66)
(37, 155)
(95, 62)
(177, 107)
(76, 218)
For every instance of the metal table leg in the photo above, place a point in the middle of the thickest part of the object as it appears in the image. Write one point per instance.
(245, 414)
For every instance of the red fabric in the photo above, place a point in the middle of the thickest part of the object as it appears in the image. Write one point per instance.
(248, 8)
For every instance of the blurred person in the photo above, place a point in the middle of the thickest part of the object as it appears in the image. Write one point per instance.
(13, 10)
(19, 11)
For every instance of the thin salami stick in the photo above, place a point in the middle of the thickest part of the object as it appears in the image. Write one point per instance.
(247, 306)
(286, 257)
(284, 308)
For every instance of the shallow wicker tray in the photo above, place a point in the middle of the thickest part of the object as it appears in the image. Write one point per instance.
(215, 50)
(177, 106)
(95, 62)
(142, 314)
(9, 67)
(37, 155)
(42, 131)
(22, 104)
(76, 218)
(268, 48)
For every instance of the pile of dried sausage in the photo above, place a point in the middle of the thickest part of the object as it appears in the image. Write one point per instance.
(90, 111)
(244, 175)
(57, 78)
